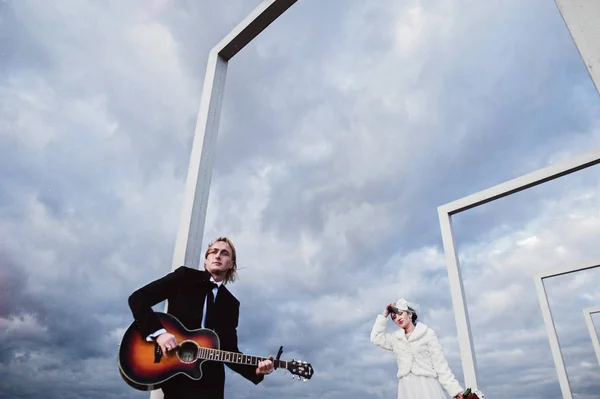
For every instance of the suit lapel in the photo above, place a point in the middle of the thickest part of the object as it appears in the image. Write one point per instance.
(201, 292)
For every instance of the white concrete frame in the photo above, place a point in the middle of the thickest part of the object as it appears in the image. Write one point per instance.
(561, 370)
(587, 314)
(188, 245)
(445, 213)
(581, 18)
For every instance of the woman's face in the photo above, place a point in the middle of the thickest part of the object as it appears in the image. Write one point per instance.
(403, 319)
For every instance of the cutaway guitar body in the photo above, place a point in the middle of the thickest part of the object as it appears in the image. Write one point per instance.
(142, 364)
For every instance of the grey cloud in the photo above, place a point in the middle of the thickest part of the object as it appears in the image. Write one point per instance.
(492, 153)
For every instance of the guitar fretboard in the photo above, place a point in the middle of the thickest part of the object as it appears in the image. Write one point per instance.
(234, 357)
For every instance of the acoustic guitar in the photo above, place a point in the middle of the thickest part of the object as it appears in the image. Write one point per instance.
(143, 366)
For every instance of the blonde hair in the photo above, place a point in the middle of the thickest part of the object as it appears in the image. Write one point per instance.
(231, 273)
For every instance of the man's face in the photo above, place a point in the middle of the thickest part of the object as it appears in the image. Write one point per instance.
(218, 261)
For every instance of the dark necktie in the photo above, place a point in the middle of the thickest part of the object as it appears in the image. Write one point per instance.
(210, 304)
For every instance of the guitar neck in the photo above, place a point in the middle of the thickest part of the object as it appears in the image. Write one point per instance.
(234, 357)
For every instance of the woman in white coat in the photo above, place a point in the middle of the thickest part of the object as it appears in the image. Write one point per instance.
(422, 366)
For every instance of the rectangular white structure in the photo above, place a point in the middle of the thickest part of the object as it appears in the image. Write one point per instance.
(188, 246)
(587, 314)
(561, 370)
(445, 213)
(582, 18)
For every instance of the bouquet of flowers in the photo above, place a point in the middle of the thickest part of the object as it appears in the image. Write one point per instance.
(473, 393)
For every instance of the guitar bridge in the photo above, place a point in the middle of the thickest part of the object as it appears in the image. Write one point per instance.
(157, 353)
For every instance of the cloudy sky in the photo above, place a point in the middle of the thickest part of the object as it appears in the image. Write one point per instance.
(344, 126)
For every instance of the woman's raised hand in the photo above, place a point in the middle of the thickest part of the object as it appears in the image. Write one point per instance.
(386, 311)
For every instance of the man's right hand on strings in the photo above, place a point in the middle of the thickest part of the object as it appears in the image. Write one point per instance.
(167, 342)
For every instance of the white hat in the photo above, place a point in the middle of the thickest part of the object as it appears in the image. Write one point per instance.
(403, 304)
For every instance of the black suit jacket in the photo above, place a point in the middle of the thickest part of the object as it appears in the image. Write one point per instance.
(186, 289)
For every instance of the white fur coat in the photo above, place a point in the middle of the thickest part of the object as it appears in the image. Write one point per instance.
(420, 353)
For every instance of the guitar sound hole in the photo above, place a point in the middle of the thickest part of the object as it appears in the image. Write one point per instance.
(186, 352)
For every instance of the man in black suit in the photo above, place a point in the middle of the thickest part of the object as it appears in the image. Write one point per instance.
(198, 299)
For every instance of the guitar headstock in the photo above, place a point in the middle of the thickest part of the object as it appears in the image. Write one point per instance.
(301, 369)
